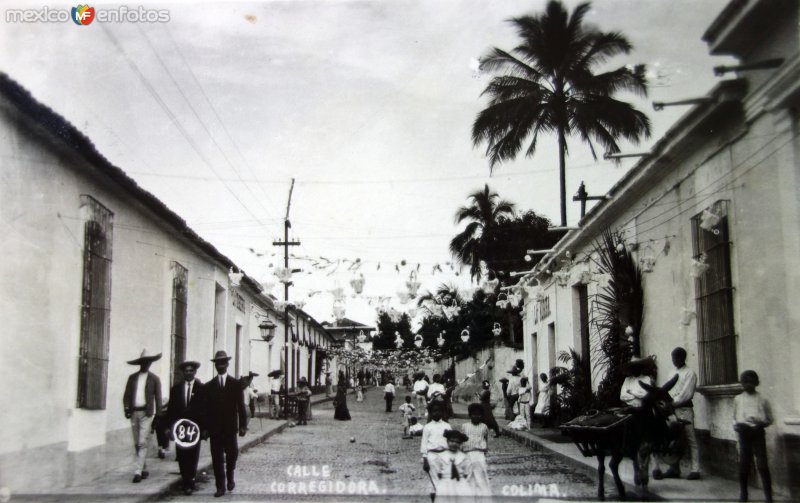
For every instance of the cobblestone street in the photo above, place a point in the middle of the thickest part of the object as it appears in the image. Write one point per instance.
(318, 461)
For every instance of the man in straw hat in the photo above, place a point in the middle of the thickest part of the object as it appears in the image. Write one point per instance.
(141, 402)
(187, 401)
(227, 416)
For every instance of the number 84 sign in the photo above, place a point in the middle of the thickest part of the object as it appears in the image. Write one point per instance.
(186, 433)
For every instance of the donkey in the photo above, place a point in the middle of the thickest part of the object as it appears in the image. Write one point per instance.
(645, 432)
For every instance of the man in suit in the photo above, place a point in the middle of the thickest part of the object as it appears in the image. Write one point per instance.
(141, 402)
(187, 401)
(226, 415)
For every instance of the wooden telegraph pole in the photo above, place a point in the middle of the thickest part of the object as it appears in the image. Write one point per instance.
(286, 244)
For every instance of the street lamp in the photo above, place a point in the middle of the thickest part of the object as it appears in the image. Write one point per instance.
(267, 328)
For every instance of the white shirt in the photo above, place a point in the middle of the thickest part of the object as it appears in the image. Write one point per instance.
(751, 409)
(389, 388)
(187, 391)
(632, 392)
(433, 437)
(224, 379)
(513, 385)
(683, 391)
(420, 385)
(435, 388)
(276, 386)
(140, 400)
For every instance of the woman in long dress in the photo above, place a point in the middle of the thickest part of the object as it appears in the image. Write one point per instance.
(340, 402)
(486, 404)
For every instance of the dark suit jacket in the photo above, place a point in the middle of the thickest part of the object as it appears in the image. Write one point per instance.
(152, 394)
(177, 409)
(226, 412)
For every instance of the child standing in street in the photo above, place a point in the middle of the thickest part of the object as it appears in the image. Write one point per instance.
(303, 398)
(451, 471)
(433, 443)
(475, 448)
(751, 415)
(407, 410)
(414, 428)
(524, 401)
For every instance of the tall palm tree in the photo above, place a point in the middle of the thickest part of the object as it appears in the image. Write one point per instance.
(548, 85)
(471, 245)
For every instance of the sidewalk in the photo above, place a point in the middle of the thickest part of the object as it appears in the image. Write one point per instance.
(116, 485)
(708, 488)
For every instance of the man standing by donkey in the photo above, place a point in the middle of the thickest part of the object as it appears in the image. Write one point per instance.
(227, 416)
(141, 402)
(187, 408)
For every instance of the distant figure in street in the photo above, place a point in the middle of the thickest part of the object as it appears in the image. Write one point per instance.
(340, 402)
(542, 409)
(681, 387)
(407, 410)
(227, 416)
(388, 394)
(512, 392)
(524, 401)
(186, 401)
(328, 384)
(414, 428)
(752, 413)
(141, 403)
(250, 392)
(359, 392)
(475, 447)
(275, 393)
(420, 388)
(486, 404)
(303, 399)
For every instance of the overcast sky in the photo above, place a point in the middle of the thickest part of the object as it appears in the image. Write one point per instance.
(367, 104)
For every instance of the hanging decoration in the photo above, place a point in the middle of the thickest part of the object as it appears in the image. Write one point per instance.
(394, 315)
(440, 339)
(299, 304)
(648, 259)
(562, 278)
(667, 246)
(418, 340)
(284, 274)
(413, 284)
(699, 267)
(709, 220)
(281, 305)
(687, 315)
(338, 294)
(398, 341)
(268, 285)
(465, 335)
(403, 297)
(497, 329)
(357, 283)
(515, 299)
(361, 337)
(235, 277)
(338, 311)
(502, 301)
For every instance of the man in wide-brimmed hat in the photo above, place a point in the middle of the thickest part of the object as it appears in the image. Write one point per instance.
(187, 401)
(637, 370)
(141, 402)
(227, 416)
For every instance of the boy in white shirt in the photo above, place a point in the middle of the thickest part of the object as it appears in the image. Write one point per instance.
(433, 442)
(751, 415)
(407, 410)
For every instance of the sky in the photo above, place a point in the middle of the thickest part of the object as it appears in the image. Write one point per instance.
(366, 104)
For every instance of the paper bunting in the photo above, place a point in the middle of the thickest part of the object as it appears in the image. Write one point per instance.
(235, 277)
(709, 220)
(699, 267)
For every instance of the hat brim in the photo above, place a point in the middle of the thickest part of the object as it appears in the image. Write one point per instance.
(253, 374)
(225, 359)
(189, 363)
(145, 359)
(275, 373)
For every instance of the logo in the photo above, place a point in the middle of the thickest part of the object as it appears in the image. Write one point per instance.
(83, 15)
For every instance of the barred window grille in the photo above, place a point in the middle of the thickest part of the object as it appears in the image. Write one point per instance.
(716, 337)
(179, 308)
(95, 305)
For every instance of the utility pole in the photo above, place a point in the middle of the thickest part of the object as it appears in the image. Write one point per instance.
(286, 244)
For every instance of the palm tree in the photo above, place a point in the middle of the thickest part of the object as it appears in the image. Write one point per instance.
(548, 85)
(471, 245)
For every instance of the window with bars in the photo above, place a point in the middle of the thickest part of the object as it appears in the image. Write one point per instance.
(716, 337)
(95, 304)
(179, 308)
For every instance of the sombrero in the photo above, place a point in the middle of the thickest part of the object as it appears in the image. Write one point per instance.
(189, 363)
(221, 355)
(455, 435)
(252, 374)
(275, 373)
(637, 363)
(145, 357)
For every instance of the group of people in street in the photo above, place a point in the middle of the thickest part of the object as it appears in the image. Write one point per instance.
(196, 411)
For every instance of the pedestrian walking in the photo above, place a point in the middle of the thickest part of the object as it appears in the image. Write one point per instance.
(752, 414)
(475, 447)
(681, 387)
(303, 399)
(227, 416)
(407, 410)
(359, 392)
(340, 402)
(328, 384)
(433, 442)
(187, 402)
(275, 393)
(388, 394)
(141, 403)
(512, 392)
(451, 470)
(485, 398)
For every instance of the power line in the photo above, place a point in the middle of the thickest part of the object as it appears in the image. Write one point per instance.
(151, 90)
